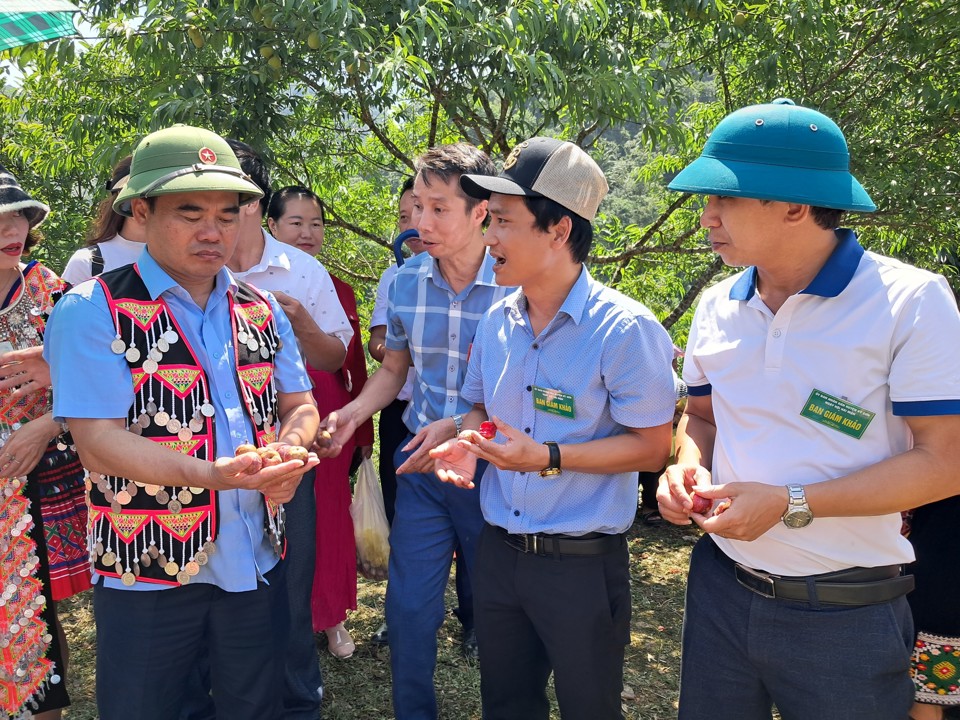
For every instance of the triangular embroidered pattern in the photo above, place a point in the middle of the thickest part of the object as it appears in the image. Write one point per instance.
(142, 313)
(256, 377)
(257, 313)
(181, 524)
(185, 447)
(179, 378)
(127, 524)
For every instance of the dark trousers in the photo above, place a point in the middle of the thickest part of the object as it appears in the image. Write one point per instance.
(743, 653)
(149, 641)
(304, 684)
(535, 614)
(392, 433)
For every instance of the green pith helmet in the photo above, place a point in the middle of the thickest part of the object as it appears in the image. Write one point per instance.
(184, 159)
(777, 151)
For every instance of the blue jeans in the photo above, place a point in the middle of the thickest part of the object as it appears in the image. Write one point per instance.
(432, 518)
(742, 653)
(148, 644)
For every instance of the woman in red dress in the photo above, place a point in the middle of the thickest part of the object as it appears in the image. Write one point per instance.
(295, 216)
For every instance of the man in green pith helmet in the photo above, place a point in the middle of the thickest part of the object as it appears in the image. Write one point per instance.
(819, 407)
(166, 367)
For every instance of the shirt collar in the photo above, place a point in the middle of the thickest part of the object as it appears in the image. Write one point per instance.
(275, 253)
(573, 305)
(157, 281)
(485, 275)
(834, 276)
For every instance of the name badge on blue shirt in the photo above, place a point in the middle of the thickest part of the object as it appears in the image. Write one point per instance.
(553, 401)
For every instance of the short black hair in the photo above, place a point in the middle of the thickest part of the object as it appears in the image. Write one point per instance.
(449, 162)
(253, 165)
(547, 213)
(406, 187)
(278, 203)
(826, 218)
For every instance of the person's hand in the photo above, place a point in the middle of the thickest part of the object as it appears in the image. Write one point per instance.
(23, 372)
(246, 472)
(520, 452)
(455, 464)
(23, 450)
(751, 508)
(335, 430)
(673, 494)
(294, 311)
(366, 451)
(423, 442)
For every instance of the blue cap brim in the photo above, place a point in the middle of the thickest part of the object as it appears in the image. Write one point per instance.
(817, 187)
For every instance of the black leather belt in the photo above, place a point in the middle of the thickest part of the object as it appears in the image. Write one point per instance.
(853, 586)
(554, 545)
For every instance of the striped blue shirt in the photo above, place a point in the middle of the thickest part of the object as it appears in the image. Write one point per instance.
(437, 325)
(612, 358)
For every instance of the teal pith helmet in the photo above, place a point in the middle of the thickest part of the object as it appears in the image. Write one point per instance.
(777, 151)
(184, 159)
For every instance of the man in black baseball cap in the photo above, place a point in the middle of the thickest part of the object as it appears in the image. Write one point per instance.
(576, 380)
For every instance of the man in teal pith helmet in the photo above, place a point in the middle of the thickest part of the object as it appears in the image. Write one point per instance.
(163, 369)
(820, 406)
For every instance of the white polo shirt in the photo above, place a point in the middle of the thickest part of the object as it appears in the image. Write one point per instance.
(868, 335)
(301, 276)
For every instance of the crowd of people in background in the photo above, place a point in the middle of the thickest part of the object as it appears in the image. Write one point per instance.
(183, 408)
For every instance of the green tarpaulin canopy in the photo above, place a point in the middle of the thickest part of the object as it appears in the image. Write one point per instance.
(22, 23)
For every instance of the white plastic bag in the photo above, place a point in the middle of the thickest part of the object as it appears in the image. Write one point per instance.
(370, 527)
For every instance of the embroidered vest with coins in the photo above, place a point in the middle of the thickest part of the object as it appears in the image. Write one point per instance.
(164, 533)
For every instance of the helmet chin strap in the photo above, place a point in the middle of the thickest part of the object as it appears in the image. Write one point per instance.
(195, 168)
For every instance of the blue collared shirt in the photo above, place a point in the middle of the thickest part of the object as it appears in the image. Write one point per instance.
(612, 356)
(437, 325)
(91, 381)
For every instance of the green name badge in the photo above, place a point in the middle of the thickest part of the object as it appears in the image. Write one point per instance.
(837, 413)
(553, 401)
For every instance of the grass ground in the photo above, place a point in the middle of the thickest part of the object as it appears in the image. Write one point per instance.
(359, 688)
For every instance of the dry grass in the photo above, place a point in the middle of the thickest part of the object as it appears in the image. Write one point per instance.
(359, 688)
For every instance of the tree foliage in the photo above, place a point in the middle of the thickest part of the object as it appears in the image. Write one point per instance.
(343, 95)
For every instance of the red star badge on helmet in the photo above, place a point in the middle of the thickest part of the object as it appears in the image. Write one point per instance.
(207, 156)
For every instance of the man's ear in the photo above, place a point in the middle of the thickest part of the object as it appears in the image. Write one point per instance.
(796, 213)
(479, 212)
(140, 208)
(561, 231)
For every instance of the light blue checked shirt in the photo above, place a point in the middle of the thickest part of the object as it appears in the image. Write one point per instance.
(437, 325)
(612, 356)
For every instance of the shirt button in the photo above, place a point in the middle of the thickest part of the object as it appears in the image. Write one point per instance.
(453, 337)
(536, 346)
(516, 513)
(777, 332)
(452, 368)
(527, 430)
(529, 388)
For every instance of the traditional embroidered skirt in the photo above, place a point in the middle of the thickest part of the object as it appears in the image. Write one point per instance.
(57, 483)
(936, 602)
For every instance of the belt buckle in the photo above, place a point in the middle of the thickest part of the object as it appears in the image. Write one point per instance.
(763, 581)
(531, 544)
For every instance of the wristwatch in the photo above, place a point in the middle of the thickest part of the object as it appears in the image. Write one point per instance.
(554, 467)
(798, 513)
(457, 423)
